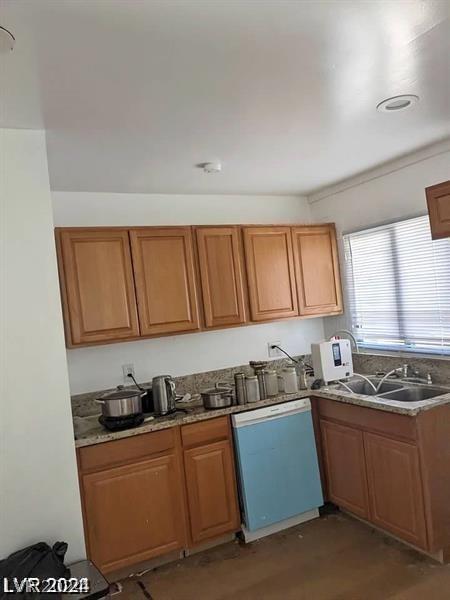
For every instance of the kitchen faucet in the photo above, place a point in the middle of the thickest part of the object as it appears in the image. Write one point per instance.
(416, 377)
(402, 373)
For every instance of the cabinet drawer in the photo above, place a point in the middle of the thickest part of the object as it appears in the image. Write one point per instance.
(205, 432)
(123, 451)
(391, 424)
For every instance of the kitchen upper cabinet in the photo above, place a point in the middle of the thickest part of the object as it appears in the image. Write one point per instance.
(317, 269)
(343, 455)
(395, 486)
(270, 270)
(211, 490)
(163, 261)
(438, 199)
(97, 285)
(222, 275)
(133, 512)
(119, 284)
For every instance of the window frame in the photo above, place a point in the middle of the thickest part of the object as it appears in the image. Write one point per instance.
(382, 348)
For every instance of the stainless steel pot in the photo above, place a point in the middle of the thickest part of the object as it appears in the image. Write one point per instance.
(217, 397)
(121, 403)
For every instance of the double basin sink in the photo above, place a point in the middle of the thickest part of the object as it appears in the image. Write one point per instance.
(400, 391)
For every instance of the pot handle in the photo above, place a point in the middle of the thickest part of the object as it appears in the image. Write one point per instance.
(224, 384)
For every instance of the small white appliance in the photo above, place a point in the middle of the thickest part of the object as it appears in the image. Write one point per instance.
(332, 360)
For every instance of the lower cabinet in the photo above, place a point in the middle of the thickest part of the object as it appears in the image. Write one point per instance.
(374, 476)
(134, 512)
(158, 492)
(211, 491)
(345, 468)
(395, 488)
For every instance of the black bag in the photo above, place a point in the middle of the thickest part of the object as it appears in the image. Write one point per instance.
(39, 561)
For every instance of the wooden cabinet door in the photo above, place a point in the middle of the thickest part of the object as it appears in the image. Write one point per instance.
(438, 199)
(165, 279)
(221, 271)
(395, 488)
(97, 285)
(211, 490)
(134, 512)
(317, 269)
(345, 468)
(270, 270)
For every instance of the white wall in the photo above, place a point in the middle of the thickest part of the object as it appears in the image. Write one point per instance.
(101, 366)
(77, 209)
(393, 191)
(39, 496)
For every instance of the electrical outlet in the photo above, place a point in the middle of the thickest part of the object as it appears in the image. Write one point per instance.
(126, 370)
(274, 352)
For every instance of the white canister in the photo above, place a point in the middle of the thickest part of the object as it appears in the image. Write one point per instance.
(271, 381)
(252, 389)
(280, 383)
(290, 380)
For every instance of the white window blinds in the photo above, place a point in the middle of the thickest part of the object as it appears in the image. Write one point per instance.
(398, 283)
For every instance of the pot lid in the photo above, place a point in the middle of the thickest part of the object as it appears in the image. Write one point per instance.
(120, 394)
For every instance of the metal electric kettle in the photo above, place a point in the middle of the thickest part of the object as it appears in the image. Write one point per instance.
(164, 395)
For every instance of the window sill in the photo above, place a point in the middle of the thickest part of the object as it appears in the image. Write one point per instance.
(403, 353)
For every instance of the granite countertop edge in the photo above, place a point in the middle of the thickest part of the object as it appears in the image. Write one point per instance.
(98, 435)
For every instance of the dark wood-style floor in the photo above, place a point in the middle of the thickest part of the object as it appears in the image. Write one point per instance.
(332, 558)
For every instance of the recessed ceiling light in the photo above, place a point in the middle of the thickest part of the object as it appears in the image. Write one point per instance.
(7, 40)
(397, 103)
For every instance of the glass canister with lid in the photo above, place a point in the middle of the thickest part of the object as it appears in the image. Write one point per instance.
(252, 388)
(271, 382)
(290, 380)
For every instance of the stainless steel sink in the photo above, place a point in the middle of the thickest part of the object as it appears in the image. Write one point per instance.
(360, 386)
(395, 390)
(415, 394)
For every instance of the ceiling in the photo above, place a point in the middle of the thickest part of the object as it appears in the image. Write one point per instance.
(133, 94)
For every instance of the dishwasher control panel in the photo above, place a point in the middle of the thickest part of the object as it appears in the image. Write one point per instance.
(271, 412)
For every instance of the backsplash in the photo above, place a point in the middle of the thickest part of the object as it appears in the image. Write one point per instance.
(83, 405)
(439, 368)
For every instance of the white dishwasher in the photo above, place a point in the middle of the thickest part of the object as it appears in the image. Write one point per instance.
(279, 481)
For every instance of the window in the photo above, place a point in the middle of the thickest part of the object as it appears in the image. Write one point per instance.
(398, 284)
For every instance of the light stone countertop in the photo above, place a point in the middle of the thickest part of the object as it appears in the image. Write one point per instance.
(88, 430)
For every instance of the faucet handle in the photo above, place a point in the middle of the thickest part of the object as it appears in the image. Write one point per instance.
(429, 379)
(405, 370)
